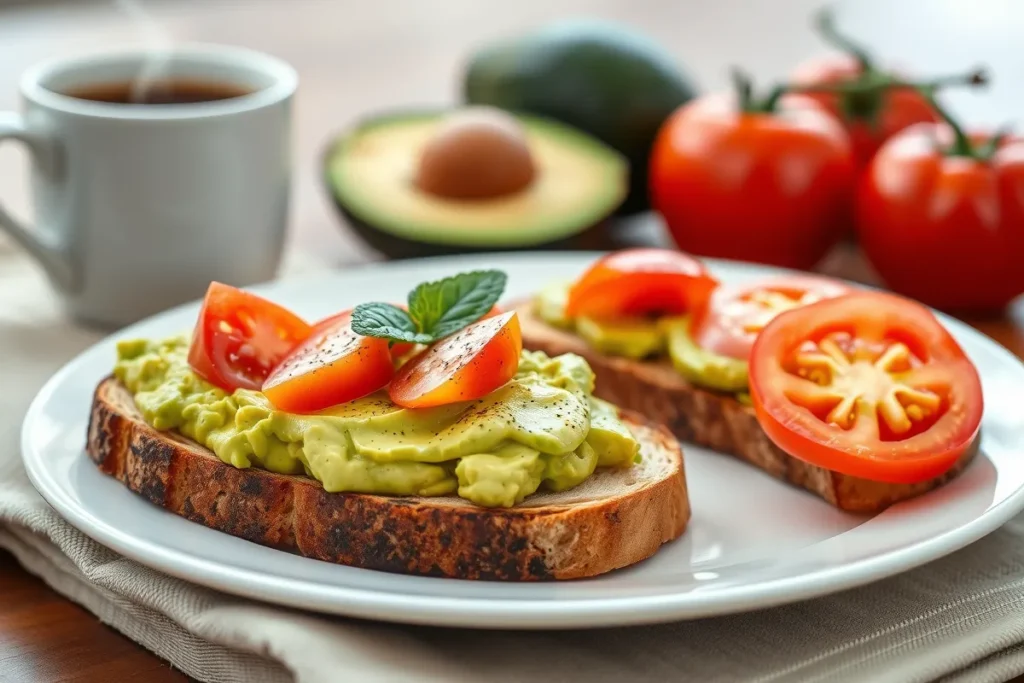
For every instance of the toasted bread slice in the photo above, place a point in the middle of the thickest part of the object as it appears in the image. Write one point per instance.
(614, 519)
(716, 420)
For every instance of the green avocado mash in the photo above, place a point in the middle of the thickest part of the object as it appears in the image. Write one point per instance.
(643, 338)
(541, 429)
(699, 365)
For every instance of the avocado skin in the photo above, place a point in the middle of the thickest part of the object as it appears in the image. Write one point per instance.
(600, 77)
(395, 247)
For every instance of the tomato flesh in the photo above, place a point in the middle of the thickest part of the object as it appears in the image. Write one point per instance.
(334, 365)
(240, 337)
(465, 366)
(867, 384)
(639, 282)
(734, 316)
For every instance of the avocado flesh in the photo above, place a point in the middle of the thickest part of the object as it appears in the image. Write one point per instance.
(579, 182)
(639, 339)
(543, 428)
(635, 338)
(597, 76)
(700, 366)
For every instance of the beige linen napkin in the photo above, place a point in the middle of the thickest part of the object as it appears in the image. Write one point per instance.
(958, 619)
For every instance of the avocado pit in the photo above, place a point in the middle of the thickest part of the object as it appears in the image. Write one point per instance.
(476, 153)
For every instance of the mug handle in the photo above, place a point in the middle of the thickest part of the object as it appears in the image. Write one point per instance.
(55, 258)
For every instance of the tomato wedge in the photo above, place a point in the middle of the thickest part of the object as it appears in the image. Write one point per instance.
(240, 337)
(465, 366)
(400, 349)
(730, 322)
(639, 282)
(868, 384)
(332, 366)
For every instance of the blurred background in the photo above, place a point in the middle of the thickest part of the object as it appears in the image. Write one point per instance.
(356, 59)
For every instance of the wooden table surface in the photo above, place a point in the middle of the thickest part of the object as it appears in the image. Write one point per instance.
(354, 58)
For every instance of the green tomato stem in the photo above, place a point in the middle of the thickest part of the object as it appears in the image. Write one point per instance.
(745, 94)
(961, 143)
(877, 83)
(772, 100)
(824, 22)
(744, 88)
(986, 151)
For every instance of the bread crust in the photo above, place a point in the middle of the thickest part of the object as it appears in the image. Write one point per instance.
(614, 519)
(717, 421)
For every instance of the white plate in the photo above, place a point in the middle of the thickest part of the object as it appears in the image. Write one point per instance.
(753, 541)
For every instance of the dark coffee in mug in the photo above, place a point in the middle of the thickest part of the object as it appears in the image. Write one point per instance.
(176, 91)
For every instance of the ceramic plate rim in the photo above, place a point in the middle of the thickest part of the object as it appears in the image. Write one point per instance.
(480, 612)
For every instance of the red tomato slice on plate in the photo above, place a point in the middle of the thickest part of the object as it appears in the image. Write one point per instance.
(240, 337)
(638, 282)
(867, 384)
(334, 365)
(468, 365)
(734, 316)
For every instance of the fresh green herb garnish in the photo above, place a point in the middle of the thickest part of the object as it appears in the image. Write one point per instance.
(436, 309)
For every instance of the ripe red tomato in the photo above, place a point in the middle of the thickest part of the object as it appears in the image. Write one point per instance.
(333, 365)
(770, 183)
(640, 281)
(943, 221)
(468, 365)
(240, 337)
(734, 316)
(867, 384)
(870, 117)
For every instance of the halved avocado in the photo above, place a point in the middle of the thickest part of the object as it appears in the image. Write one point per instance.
(371, 173)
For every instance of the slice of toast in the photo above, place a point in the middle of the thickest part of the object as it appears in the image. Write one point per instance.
(614, 519)
(715, 420)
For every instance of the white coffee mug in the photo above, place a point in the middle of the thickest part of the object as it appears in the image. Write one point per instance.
(139, 206)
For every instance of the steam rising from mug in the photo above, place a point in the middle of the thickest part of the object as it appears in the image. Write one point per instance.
(158, 55)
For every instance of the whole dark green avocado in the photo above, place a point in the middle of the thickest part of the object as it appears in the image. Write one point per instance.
(601, 77)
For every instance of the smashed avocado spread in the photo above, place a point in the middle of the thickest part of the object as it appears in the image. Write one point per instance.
(640, 338)
(541, 429)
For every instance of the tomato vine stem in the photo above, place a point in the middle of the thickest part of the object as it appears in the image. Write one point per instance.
(748, 103)
(825, 24)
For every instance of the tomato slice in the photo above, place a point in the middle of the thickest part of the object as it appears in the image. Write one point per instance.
(640, 282)
(465, 366)
(868, 384)
(334, 365)
(733, 317)
(398, 349)
(401, 349)
(240, 337)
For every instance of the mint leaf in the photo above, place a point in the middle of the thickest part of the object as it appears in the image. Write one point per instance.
(444, 307)
(388, 322)
(436, 309)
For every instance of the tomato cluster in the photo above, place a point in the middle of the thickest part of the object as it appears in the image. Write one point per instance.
(863, 383)
(846, 146)
(242, 341)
